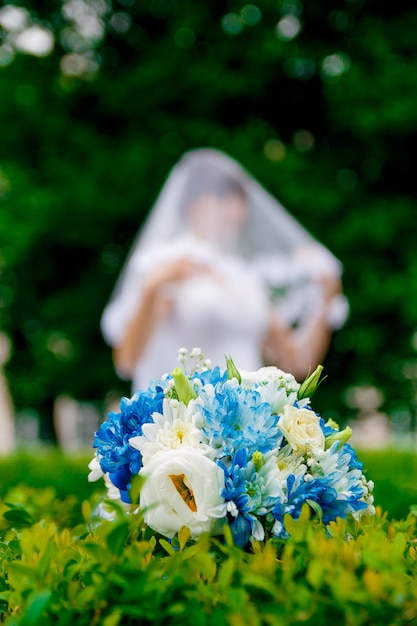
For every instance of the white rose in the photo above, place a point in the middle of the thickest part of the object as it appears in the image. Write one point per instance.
(301, 428)
(182, 488)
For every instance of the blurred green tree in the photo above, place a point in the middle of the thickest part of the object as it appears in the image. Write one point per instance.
(98, 99)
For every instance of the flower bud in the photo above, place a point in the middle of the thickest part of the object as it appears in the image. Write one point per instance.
(332, 424)
(257, 460)
(309, 386)
(184, 388)
(232, 371)
(342, 437)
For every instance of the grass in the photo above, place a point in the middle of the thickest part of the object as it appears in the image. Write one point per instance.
(49, 467)
(394, 473)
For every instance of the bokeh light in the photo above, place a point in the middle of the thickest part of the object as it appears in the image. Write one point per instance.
(288, 27)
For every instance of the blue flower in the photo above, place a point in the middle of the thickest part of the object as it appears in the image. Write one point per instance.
(327, 429)
(247, 497)
(336, 486)
(354, 463)
(212, 376)
(121, 479)
(346, 479)
(298, 492)
(335, 504)
(236, 418)
(112, 438)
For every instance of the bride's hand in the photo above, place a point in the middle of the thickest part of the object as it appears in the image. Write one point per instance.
(331, 287)
(154, 305)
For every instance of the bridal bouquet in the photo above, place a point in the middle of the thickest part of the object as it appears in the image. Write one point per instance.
(217, 447)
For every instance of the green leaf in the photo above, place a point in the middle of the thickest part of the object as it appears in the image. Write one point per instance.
(136, 485)
(113, 619)
(316, 508)
(4, 596)
(184, 534)
(45, 561)
(15, 505)
(297, 528)
(226, 573)
(117, 537)
(20, 517)
(86, 510)
(21, 575)
(260, 582)
(228, 536)
(35, 612)
(167, 546)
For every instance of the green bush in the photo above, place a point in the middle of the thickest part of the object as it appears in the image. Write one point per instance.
(116, 572)
(393, 472)
(57, 567)
(48, 467)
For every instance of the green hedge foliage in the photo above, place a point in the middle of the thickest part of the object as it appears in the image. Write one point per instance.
(54, 570)
(58, 565)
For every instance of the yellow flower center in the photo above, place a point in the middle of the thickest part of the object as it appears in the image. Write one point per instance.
(180, 434)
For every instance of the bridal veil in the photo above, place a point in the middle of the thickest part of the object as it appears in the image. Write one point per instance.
(288, 259)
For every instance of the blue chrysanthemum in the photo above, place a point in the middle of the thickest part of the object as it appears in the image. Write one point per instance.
(116, 456)
(212, 376)
(336, 486)
(343, 475)
(327, 429)
(298, 492)
(236, 418)
(247, 496)
(354, 462)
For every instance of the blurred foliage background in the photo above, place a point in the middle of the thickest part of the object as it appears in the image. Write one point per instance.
(98, 100)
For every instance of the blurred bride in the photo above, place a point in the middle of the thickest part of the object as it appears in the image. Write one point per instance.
(221, 265)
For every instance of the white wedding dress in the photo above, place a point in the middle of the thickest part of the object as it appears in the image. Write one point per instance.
(223, 312)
